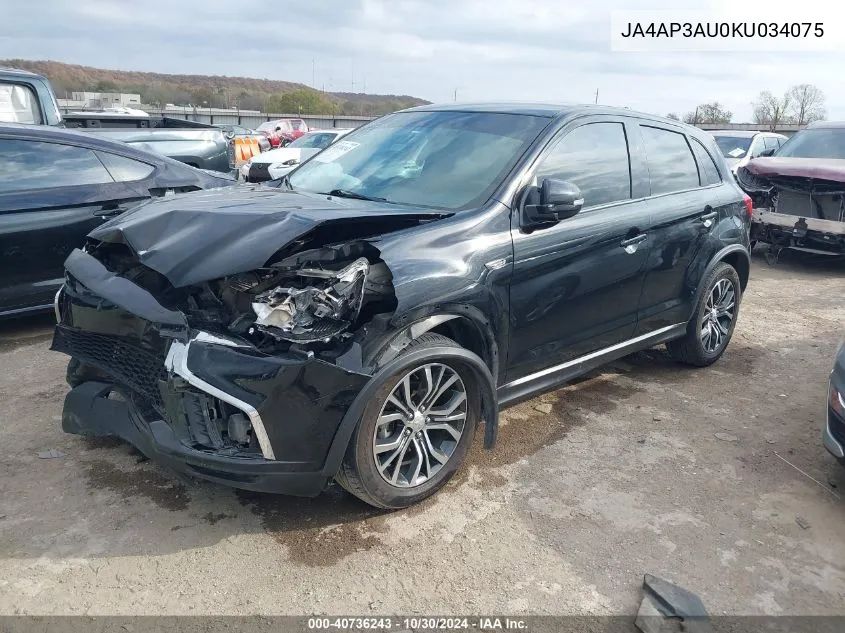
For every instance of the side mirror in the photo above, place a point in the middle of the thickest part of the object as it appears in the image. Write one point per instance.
(766, 152)
(552, 201)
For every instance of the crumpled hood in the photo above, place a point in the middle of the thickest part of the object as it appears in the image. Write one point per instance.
(205, 235)
(816, 168)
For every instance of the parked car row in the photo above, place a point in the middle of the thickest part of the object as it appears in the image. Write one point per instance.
(282, 131)
(279, 162)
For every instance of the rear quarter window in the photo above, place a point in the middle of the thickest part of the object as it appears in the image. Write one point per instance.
(29, 165)
(125, 169)
(708, 173)
(671, 164)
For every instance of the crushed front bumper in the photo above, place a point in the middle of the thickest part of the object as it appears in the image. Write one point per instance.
(89, 410)
(171, 392)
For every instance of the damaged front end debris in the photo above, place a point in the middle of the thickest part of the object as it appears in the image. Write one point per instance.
(324, 304)
(799, 204)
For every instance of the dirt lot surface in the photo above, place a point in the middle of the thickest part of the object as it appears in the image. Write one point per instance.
(643, 467)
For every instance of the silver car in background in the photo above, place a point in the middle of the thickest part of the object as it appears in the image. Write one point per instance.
(739, 146)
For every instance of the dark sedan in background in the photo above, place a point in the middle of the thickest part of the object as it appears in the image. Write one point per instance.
(55, 186)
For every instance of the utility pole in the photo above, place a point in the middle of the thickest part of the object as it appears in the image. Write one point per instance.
(456, 95)
(314, 73)
(597, 95)
(353, 77)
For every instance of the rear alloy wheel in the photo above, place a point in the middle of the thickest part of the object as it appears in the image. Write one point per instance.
(711, 327)
(415, 432)
(717, 320)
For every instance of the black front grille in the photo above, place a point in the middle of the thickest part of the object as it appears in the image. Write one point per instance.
(259, 172)
(127, 363)
(837, 427)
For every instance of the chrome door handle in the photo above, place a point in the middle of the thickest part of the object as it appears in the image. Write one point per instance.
(630, 244)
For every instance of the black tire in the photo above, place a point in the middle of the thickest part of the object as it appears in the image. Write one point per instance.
(359, 474)
(691, 349)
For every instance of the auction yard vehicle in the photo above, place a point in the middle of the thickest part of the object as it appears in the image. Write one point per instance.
(280, 132)
(283, 160)
(834, 431)
(799, 192)
(738, 146)
(28, 98)
(359, 320)
(55, 186)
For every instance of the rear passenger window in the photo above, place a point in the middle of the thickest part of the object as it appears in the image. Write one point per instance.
(708, 173)
(771, 142)
(40, 165)
(125, 169)
(594, 157)
(670, 162)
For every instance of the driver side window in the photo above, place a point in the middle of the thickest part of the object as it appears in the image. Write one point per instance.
(595, 158)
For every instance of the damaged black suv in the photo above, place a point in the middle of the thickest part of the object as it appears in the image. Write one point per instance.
(358, 320)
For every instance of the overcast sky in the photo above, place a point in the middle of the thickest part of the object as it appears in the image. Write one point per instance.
(535, 50)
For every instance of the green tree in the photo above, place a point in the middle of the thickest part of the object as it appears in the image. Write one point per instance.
(105, 86)
(303, 101)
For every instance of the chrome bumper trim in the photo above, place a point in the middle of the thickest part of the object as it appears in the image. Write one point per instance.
(177, 362)
(56, 309)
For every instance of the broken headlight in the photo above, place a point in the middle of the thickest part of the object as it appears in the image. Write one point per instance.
(324, 305)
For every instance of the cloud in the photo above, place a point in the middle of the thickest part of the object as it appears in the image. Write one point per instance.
(539, 50)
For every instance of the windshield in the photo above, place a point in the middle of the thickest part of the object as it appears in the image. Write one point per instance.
(733, 146)
(317, 140)
(448, 160)
(818, 143)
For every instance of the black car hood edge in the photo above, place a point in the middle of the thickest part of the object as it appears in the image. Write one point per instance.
(211, 234)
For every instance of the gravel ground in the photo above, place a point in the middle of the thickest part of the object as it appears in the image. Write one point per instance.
(642, 467)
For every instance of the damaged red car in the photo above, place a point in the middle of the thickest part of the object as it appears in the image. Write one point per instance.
(359, 320)
(799, 192)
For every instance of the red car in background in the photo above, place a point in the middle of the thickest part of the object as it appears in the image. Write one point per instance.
(280, 132)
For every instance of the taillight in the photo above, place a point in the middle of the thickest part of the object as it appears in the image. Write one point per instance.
(749, 206)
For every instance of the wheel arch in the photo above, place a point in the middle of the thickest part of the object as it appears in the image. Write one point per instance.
(465, 325)
(736, 256)
(489, 408)
(741, 262)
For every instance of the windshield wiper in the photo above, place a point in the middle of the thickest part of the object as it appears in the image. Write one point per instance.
(345, 193)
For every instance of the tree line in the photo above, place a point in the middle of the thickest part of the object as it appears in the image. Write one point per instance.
(800, 105)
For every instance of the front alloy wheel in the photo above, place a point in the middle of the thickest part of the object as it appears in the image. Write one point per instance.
(416, 428)
(420, 425)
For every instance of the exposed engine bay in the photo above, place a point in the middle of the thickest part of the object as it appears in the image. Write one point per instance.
(315, 296)
(795, 207)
